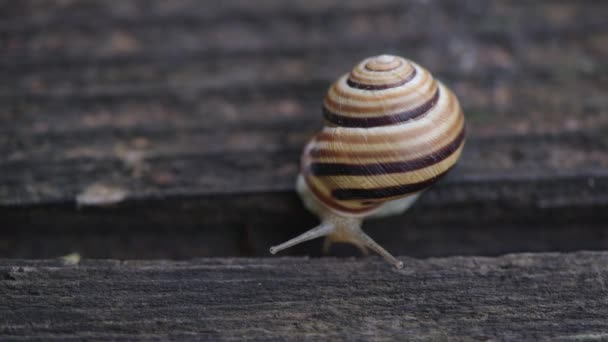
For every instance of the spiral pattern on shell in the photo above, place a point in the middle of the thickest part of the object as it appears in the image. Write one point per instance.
(391, 131)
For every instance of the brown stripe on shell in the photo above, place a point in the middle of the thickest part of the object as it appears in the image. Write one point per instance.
(343, 169)
(383, 63)
(344, 92)
(380, 138)
(364, 86)
(316, 152)
(380, 109)
(386, 192)
(381, 70)
(331, 202)
(386, 180)
(376, 106)
(347, 121)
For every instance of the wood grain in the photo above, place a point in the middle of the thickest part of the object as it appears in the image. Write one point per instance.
(523, 297)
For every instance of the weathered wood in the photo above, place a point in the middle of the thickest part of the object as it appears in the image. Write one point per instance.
(523, 297)
(185, 112)
(198, 114)
(182, 228)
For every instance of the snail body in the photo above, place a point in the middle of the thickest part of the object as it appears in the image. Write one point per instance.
(391, 132)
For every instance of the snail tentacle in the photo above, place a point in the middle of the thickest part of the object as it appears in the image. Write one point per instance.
(371, 244)
(340, 229)
(325, 228)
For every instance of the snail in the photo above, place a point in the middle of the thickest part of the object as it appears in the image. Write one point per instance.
(391, 131)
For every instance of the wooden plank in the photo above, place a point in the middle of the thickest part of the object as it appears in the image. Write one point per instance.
(183, 118)
(523, 297)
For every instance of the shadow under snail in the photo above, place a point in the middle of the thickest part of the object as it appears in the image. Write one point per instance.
(391, 131)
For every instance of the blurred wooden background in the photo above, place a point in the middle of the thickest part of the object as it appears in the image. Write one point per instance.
(191, 117)
(197, 115)
(172, 130)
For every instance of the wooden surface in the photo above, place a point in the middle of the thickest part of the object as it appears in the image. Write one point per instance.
(193, 116)
(520, 297)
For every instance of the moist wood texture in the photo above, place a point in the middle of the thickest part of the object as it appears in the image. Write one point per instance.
(197, 113)
(522, 297)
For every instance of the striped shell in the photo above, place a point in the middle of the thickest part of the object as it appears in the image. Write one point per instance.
(391, 131)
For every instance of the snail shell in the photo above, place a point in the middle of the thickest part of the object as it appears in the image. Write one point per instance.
(391, 131)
